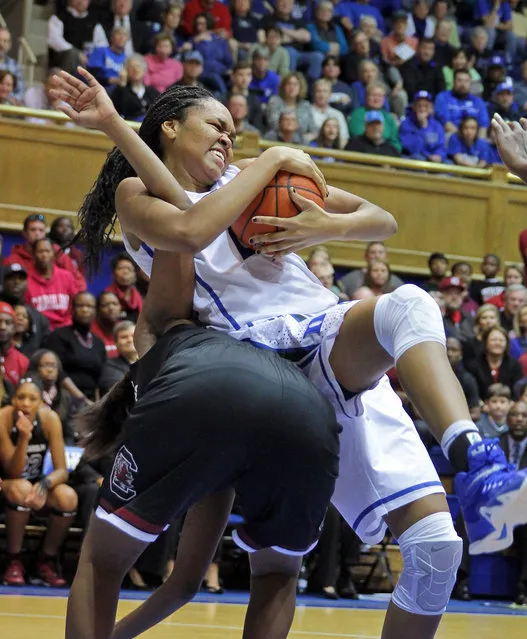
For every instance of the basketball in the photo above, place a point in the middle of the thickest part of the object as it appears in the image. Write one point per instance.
(275, 201)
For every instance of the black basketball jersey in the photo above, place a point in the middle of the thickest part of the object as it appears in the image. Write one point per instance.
(36, 449)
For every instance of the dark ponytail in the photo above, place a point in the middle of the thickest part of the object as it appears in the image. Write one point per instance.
(97, 214)
(100, 425)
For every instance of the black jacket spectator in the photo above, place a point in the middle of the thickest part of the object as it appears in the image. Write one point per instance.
(362, 144)
(130, 105)
(509, 373)
(426, 76)
(81, 363)
(462, 329)
(469, 385)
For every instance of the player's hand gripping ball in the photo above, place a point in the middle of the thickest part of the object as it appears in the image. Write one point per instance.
(275, 201)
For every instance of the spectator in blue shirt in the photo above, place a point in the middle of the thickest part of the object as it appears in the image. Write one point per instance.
(214, 49)
(503, 103)
(422, 136)
(10, 64)
(355, 11)
(496, 17)
(265, 83)
(327, 36)
(107, 63)
(465, 148)
(520, 88)
(452, 106)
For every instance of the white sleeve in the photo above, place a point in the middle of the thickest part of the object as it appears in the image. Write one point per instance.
(56, 39)
(99, 37)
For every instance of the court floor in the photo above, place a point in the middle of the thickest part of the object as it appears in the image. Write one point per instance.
(41, 616)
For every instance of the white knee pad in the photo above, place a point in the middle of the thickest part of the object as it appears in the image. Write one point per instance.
(405, 318)
(431, 552)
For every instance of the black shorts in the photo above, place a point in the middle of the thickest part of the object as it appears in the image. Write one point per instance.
(214, 413)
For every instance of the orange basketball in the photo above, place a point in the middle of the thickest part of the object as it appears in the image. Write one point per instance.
(275, 201)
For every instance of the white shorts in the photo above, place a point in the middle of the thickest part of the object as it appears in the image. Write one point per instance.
(383, 463)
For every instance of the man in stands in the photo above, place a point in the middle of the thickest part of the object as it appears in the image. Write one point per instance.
(107, 63)
(452, 106)
(14, 292)
(50, 289)
(71, 32)
(372, 140)
(466, 379)
(117, 367)
(515, 297)
(457, 322)
(241, 79)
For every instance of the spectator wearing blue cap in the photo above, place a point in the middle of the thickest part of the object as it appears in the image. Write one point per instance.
(422, 136)
(422, 73)
(465, 148)
(496, 17)
(495, 74)
(375, 96)
(452, 106)
(192, 62)
(503, 103)
(372, 140)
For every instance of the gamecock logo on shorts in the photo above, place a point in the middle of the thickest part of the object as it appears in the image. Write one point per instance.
(122, 478)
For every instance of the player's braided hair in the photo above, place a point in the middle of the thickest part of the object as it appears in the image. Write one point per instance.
(97, 214)
(100, 425)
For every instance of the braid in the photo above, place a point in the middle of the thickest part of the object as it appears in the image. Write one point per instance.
(97, 214)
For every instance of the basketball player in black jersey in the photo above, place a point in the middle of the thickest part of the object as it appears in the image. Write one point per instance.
(28, 429)
(210, 414)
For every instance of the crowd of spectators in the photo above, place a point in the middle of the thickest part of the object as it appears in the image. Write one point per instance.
(75, 347)
(391, 77)
(414, 78)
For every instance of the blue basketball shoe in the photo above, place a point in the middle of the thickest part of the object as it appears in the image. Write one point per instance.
(493, 497)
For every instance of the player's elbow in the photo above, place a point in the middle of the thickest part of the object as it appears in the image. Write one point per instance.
(390, 225)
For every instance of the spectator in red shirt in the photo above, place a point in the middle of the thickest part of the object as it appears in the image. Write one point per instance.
(35, 229)
(108, 315)
(50, 289)
(218, 10)
(13, 363)
(124, 279)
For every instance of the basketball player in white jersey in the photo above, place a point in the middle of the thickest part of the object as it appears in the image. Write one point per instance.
(385, 473)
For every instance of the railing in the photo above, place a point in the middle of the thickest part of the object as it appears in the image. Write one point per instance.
(43, 114)
(251, 144)
(27, 58)
(463, 212)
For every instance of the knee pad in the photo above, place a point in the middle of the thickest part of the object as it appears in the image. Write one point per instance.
(62, 513)
(405, 318)
(17, 507)
(431, 552)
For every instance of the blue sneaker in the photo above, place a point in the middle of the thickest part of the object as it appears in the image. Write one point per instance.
(493, 497)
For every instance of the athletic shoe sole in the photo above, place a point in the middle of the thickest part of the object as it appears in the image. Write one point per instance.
(504, 518)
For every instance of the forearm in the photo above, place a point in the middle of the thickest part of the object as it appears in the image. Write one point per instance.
(56, 477)
(149, 168)
(15, 466)
(165, 227)
(368, 223)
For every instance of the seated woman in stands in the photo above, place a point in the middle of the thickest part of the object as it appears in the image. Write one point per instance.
(28, 430)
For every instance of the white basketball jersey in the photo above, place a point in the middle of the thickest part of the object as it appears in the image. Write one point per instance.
(235, 287)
